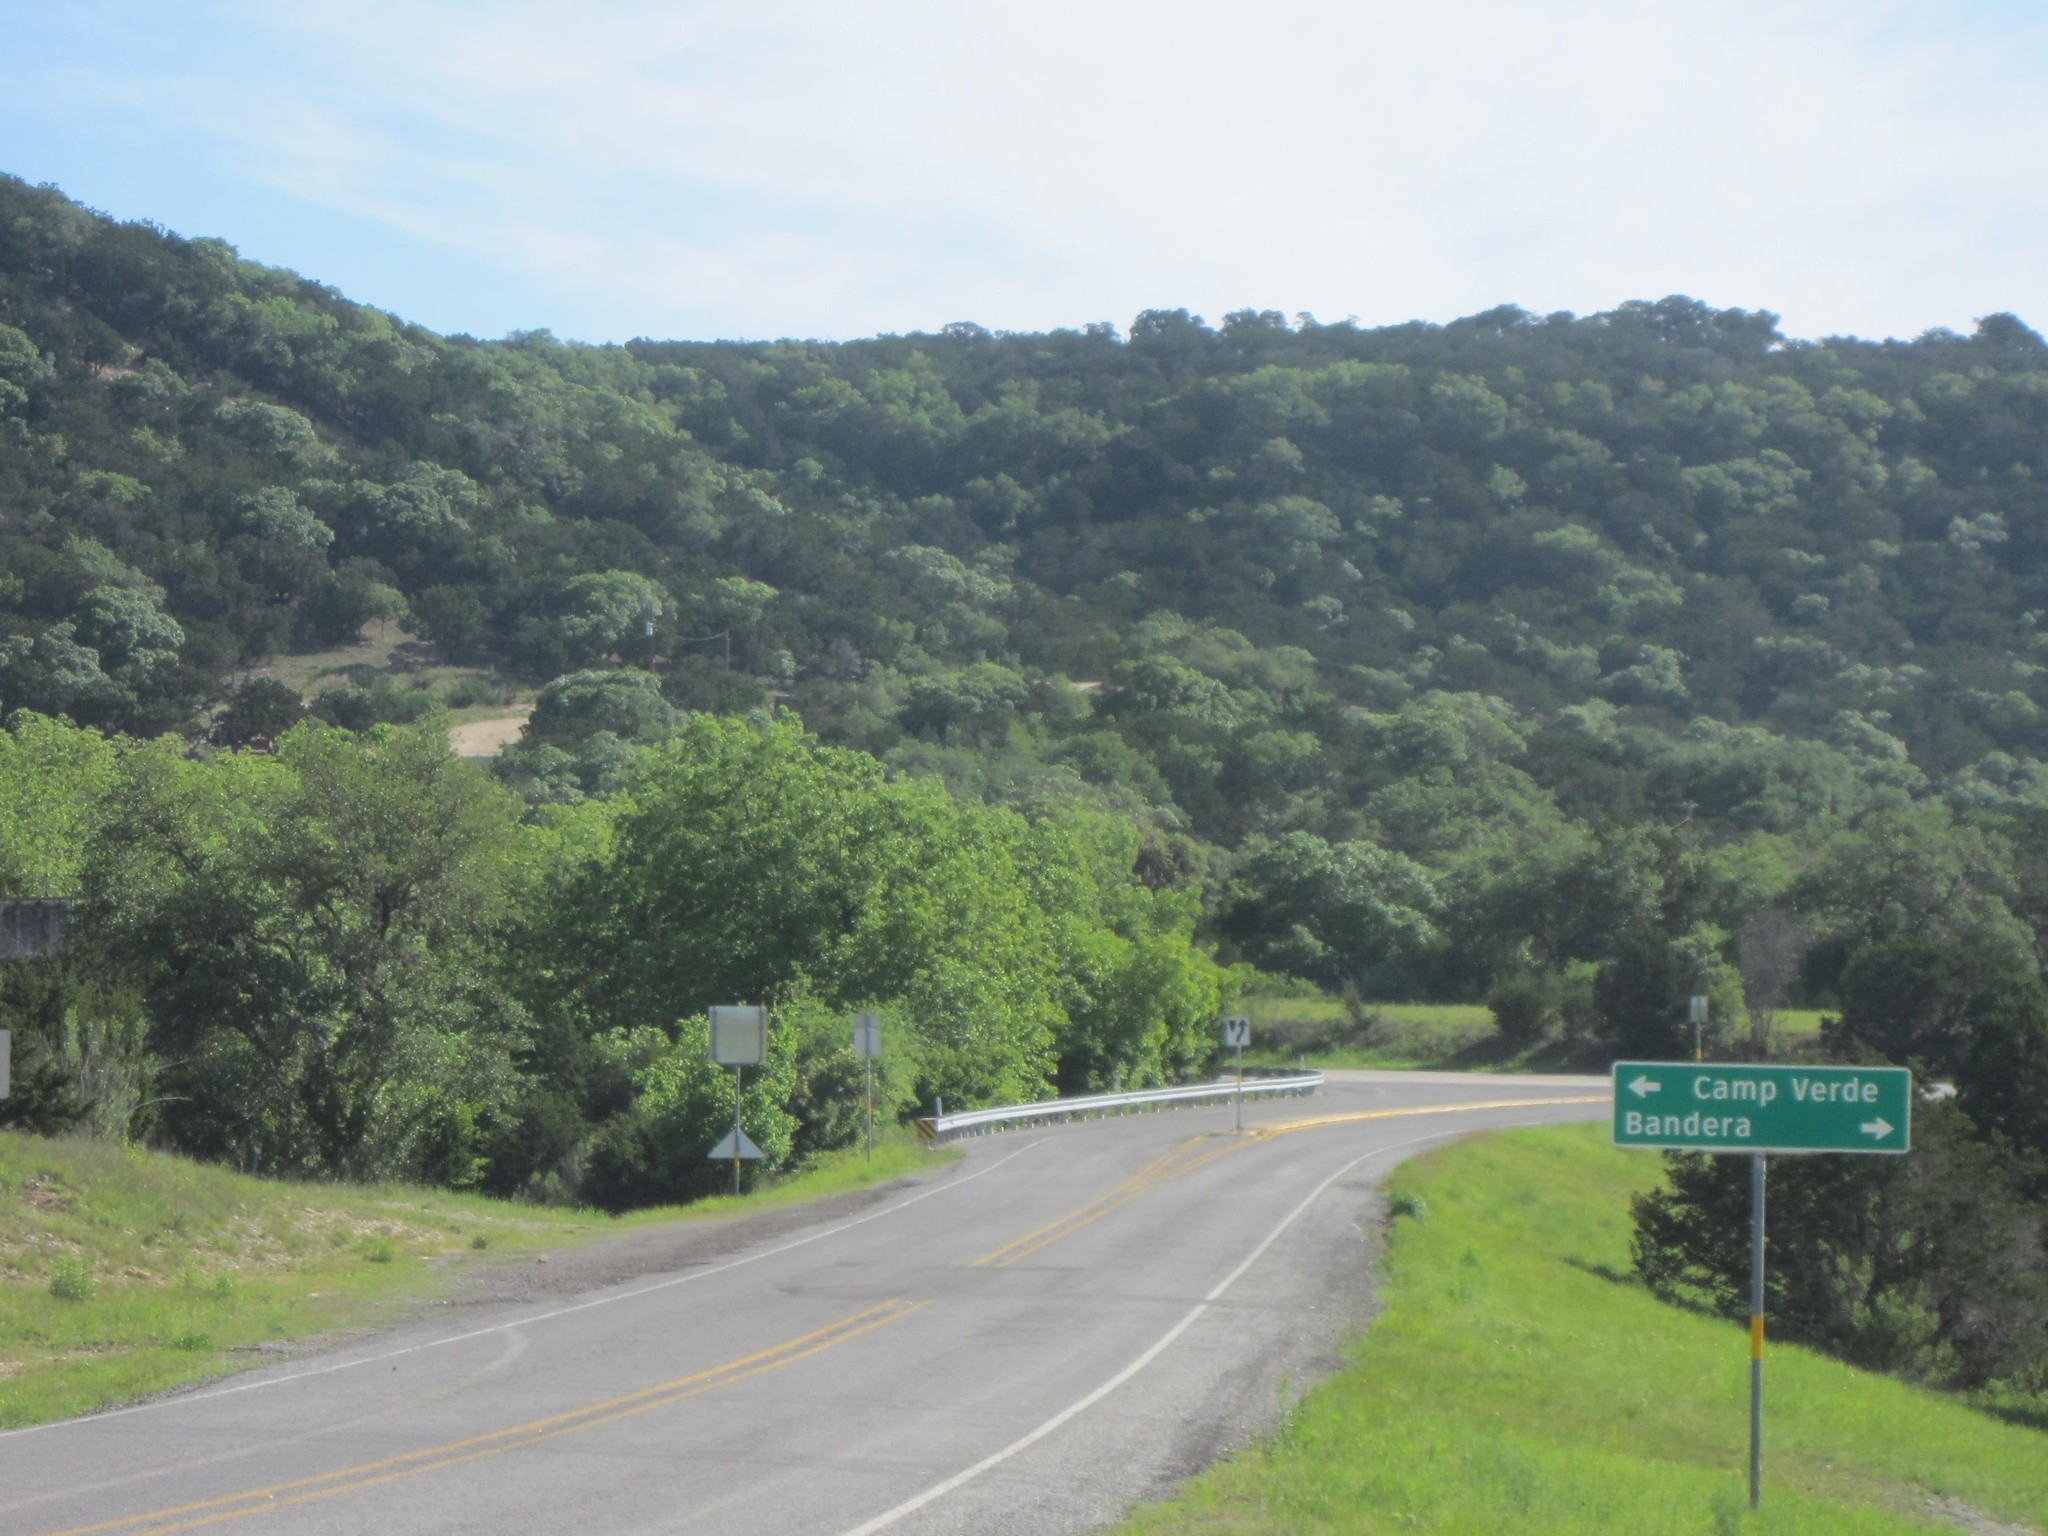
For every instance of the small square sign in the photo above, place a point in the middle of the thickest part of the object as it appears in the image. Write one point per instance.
(1237, 1031)
(739, 1036)
(867, 1034)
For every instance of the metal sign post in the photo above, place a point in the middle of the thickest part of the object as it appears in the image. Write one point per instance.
(1758, 1110)
(1237, 1032)
(1756, 1330)
(739, 1039)
(1696, 1015)
(6, 1062)
(867, 1045)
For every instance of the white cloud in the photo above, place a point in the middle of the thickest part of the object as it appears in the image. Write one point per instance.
(821, 167)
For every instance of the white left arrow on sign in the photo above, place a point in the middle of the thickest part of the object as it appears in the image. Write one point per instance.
(1642, 1087)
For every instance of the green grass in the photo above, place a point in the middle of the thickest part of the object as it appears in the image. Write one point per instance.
(1451, 1037)
(1796, 1026)
(1520, 1380)
(388, 651)
(123, 1272)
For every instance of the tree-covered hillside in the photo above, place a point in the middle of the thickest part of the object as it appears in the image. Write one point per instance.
(1041, 691)
(1380, 613)
(1251, 534)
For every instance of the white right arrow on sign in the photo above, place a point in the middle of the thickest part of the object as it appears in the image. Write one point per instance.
(1880, 1128)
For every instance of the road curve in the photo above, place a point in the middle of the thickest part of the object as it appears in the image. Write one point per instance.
(1061, 1324)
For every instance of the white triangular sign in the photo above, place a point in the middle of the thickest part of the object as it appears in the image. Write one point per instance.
(724, 1148)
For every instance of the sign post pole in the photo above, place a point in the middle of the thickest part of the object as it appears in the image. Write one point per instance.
(1696, 1015)
(1237, 1034)
(1756, 1329)
(738, 1076)
(739, 1039)
(1758, 1110)
(867, 1045)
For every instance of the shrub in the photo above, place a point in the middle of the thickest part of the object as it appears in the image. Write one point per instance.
(1526, 1005)
(71, 1279)
(1578, 1005)
(465, 691)
(1927, 1265)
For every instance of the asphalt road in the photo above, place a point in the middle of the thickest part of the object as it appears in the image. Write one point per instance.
(1033, 1339)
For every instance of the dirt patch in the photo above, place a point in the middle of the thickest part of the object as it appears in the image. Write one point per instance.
(45, 1193)
(487, 738)
(1974, 1520)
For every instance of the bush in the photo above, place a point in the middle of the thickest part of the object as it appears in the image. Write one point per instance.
(1578, 1005)
(379, 702)
(71, 1279)
(1526, 1006)
(262, 709)
(465, 691)
(627, 703)
(1927, 1265)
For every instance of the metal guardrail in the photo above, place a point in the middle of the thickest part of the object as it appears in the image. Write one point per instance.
(1096, 1106)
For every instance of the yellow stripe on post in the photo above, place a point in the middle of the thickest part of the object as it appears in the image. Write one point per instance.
(1756, 1338)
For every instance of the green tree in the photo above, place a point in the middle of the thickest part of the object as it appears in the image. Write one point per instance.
(1348, 912)
(304, 931)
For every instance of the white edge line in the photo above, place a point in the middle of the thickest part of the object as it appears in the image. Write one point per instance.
(939, 1490)
(520, 1322)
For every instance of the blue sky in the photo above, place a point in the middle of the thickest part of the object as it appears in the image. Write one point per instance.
(825, 168)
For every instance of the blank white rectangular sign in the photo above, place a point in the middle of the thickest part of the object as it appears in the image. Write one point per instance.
(867, 1034)
(739, 1036)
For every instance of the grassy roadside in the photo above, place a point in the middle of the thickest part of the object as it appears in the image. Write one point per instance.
(1455, 1037)
(123, 1272)
(1404, 1036)
(1520, 1380)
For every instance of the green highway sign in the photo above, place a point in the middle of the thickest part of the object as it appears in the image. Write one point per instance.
(1730, 1107)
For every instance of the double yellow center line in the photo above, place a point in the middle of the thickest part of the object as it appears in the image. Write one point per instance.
(370, 1474)
(1183, 1159)
(1199, 1150)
